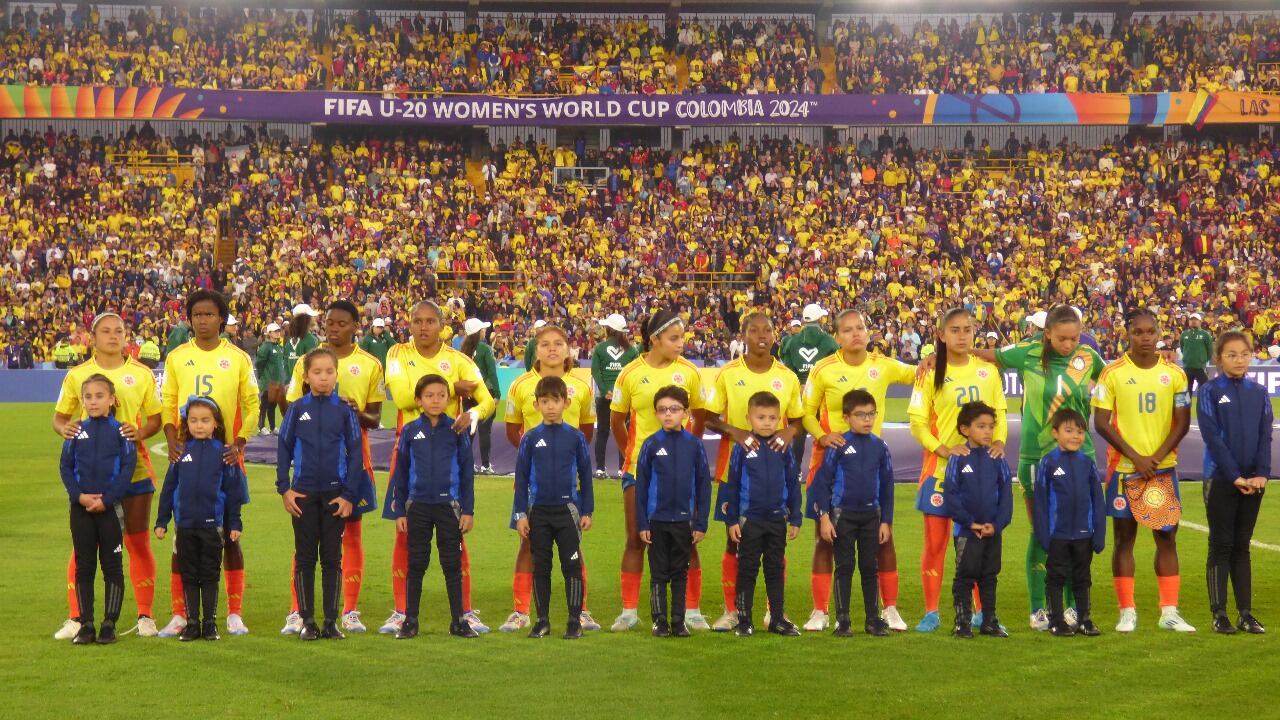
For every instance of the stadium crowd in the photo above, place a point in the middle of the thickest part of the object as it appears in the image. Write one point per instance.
(375, 51)
(902, 231)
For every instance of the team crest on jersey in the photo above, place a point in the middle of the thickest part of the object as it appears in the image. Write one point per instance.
(983, 374)
(572, 391)
(874, 373)
(225, 364)
(445, 366)
(678, 378)
(129, 380)
(935, 499)
(1165, 379)
(1119, 503)
(776, 385)
(1077, 363)
(355, 370)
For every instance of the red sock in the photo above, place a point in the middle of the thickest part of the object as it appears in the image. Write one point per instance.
(937, 531)
(73, 603)
(1124, 591)
(235, 591)
(142, 570)
(293, 586)
(466, 577)
(729, 581)
(583, 562)
(888, 587)
(352, 565)
(977, 601)
(820, 586)
(399, 569)
(693, 591)
(177, 601)
(1170, 587)
(521, 591)
(631, 590)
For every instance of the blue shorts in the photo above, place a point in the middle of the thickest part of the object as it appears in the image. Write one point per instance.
(145, 486)
(1118, 503)
(929, 498)
(366, 498)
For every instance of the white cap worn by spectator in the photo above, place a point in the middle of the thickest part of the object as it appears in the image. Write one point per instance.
(539, 324)
(1037, 319)
(474, 325)
(615, 322)
(1160, 345)
(1274, 352)
(795, 323)
(993, 335)
(272, 327)
(377, 322)
(231, 320)
(303, 308)
(1196, 316)
(813, 312)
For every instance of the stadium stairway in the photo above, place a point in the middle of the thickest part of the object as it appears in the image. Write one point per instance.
(682, 72)
(827, 61)
(475, 173)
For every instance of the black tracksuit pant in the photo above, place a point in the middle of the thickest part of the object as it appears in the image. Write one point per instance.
(857, 533)
(98, 538)
(1232, 516)
(318, 528)
(199, 553)
(442, 520)
(765, 539)
(671, 545)
(977, 561)
(1068, 560)
(558, 525)
(603, 433)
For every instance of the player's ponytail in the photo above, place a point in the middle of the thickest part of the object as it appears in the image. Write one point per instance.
(940, 365)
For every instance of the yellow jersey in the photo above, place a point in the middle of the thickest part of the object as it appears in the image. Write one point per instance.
(224, 373)
(633, 394)
(359, 379)
(832, 378)
(521, 403)
(933, 412)
(733, 387)
(405, 366)
(136, 400)
(1141, 404)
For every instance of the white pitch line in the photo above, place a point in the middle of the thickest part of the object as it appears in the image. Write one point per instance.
(1205, 529)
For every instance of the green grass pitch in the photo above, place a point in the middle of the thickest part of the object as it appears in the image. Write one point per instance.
(604, 675)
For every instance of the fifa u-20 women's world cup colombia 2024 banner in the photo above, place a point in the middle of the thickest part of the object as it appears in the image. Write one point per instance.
(170, 103)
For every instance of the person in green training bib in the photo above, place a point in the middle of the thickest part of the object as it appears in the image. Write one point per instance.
(378, 341)
(607, 360)
(481, 353)
(269, 365)
(299, 339)
(1057, 372)
(1197, 346)
(800, 352)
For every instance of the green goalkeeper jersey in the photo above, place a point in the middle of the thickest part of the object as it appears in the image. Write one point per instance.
(1065, 383)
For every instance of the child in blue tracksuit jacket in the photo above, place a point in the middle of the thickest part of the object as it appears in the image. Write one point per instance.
(554, 502)
(1235, 421)
(673, 500)
(199, 492)
(433, 491)
(97, 467)
(852, 496)
(979, 499)
(761, 498)
(1070, 520)
(320, 473)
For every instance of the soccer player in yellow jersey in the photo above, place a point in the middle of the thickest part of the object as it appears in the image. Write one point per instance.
(1143, 412)
(851, 367)
(138, 411)
(360, 386)
(551, 348)
(726, 413)
(211, 366)
(958, 377)
(661, 364)
(427, 354)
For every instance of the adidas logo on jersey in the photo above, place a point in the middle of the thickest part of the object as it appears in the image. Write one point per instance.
(742, 383)
(187, 458)
(305, 416)
(662, 452)
(1132, 381)
(967, 468)
(752, 454)
(191, 363)
(420, 436)
(1059, 472)
(83, 435)
(842, 379)
(850, 451)
(644, 381)
(540, 443)
(1224, 400)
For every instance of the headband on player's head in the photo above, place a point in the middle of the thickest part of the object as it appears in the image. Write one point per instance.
(93, 326)
(658, 330)
(199, 400)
